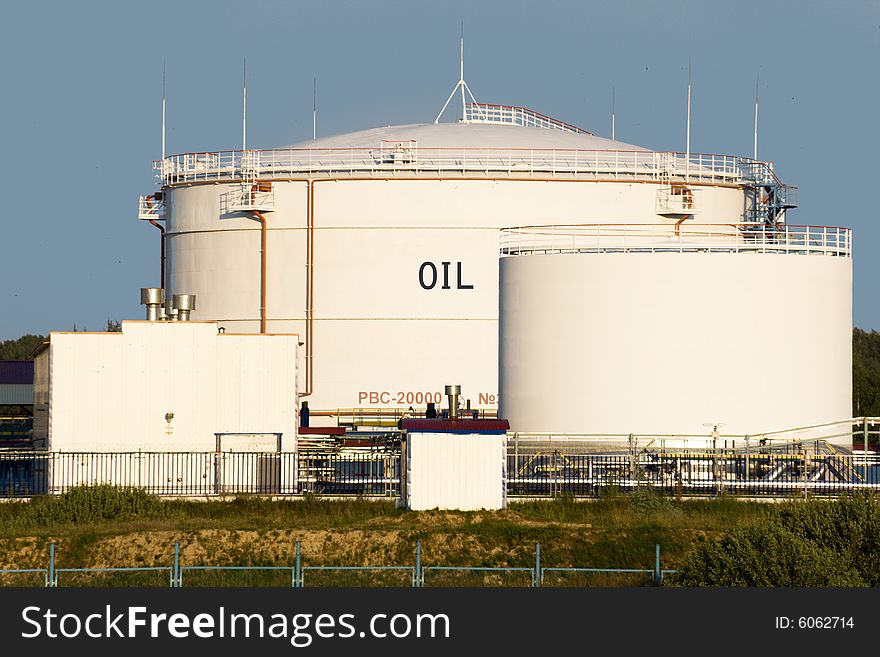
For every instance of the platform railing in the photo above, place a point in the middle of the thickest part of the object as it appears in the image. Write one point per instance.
(642, 166)
(687, 237)
(515, 115)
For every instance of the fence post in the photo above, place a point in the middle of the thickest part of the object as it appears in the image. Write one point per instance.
(748, 476)
(537, 565)
(632, 460)
(298, 571)
(175, 570)
(806, 471)
(52, 582)
(658, 572)
(418, 576)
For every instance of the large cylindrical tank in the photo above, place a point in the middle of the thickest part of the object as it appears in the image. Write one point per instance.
(750, 332)
(381, 245)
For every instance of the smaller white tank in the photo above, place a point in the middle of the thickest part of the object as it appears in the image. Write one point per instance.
(617, 334)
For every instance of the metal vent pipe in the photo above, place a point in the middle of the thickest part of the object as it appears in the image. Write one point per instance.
(184, 304)
(152, 298)
(170, 311)
(453, 392)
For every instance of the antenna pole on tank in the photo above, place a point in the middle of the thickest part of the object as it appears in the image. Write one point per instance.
(163, 110)
(461, 69)
(612, 113)
(244, 107)
(314, 108)
(461, 84)
(687, 159)
(755, 151)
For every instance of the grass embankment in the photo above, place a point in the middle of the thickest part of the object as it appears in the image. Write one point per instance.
(103, 527)
(721, 542)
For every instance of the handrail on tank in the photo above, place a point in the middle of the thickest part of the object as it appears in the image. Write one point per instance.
(516, 115)
(677, 238)
(795, 436)
(591, 164)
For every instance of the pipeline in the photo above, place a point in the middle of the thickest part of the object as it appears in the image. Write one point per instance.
(262, 219)
(310, 287)
(149, 202)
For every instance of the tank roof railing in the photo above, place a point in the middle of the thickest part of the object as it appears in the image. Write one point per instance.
(515, 115)
(677, 238)
(641, 166)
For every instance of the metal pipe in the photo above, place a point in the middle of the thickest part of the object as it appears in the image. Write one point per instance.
(52, 576)
(170, 311)
(161, 251)
(453, 391)
(184, 304)
(262, 219)
(175, 571)
(149, 201)
(310, 286)
(152, 298)
(538, 574)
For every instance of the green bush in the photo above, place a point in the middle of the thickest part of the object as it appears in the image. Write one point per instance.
(86, 504)
(849, 526)
(816, 543)
(765, 555)
(646, 500)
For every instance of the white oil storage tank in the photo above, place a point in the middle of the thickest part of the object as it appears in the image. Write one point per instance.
(380, 247)
(665, 330)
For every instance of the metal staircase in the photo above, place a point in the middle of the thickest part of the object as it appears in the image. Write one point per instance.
(770, 197)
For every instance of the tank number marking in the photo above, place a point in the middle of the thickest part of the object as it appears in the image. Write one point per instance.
(429, 276)
(417, 398)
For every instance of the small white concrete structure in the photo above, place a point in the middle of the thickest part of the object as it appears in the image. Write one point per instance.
(455, 468)
(166, 386)
(159, 387)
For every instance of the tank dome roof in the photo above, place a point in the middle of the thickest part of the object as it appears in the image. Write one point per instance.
(469, 135)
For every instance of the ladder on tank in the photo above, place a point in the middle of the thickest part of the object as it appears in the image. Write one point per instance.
(770, 197)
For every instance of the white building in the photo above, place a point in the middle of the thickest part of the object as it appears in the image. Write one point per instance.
(159, 387)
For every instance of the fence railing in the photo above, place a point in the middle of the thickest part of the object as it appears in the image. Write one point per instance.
(646, 166)
(793, 461)
(174, 573)
(684, 238)
(375, 473)
(554, 473)
(350, 472)
(535, 470)
(515, 115)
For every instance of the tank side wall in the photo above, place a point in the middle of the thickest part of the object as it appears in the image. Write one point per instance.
(405, 285)
(664, 343)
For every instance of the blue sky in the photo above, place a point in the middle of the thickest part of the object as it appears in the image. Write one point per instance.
(82, 83)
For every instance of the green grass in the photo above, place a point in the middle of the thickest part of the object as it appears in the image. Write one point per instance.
(103, 526)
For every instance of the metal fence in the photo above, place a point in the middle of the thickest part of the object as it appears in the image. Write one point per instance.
(800, 460)
(177, 574)
(797, 461)
(555, 473)
(27, 473)
(357, 471)
(542, 472)
(415, 160)
(696, 238)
